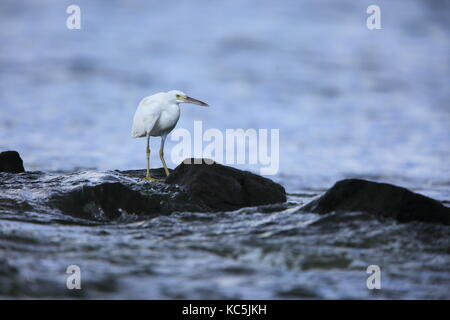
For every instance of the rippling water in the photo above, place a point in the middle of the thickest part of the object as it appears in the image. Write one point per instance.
(349, 102)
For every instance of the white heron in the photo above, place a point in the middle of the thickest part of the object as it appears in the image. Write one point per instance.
(156, 116)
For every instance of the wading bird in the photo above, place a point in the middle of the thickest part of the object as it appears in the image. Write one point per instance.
(156, 116)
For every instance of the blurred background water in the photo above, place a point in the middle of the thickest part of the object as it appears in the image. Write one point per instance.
(348, 101)
(345, 98)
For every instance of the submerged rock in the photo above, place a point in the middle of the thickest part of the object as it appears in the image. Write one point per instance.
(10, 161)
(380, 199)
(113, 200)
(113, 195)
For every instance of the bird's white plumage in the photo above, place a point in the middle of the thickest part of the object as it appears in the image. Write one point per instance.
(156, 115)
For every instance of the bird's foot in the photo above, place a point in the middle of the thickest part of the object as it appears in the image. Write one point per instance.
(148, 178)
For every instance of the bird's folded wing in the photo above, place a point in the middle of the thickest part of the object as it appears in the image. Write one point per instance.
(145, 119)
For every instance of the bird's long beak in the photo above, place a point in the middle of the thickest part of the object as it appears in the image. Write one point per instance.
(195, 101)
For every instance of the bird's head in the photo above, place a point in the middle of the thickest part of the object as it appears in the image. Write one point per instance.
(180, 97)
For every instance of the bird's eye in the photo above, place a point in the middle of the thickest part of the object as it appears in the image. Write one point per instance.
(178, 96)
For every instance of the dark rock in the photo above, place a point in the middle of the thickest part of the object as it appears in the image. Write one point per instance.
(112, 195)
(139, 174)
(10, 161)
(224, 188)
(109, 200)
(380, 199)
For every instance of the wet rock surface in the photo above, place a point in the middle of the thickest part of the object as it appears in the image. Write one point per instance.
(379, 199)
(111, 195)
(112, 200)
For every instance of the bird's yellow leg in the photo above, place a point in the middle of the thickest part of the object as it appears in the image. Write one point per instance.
(148, 177)
(161, 156)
